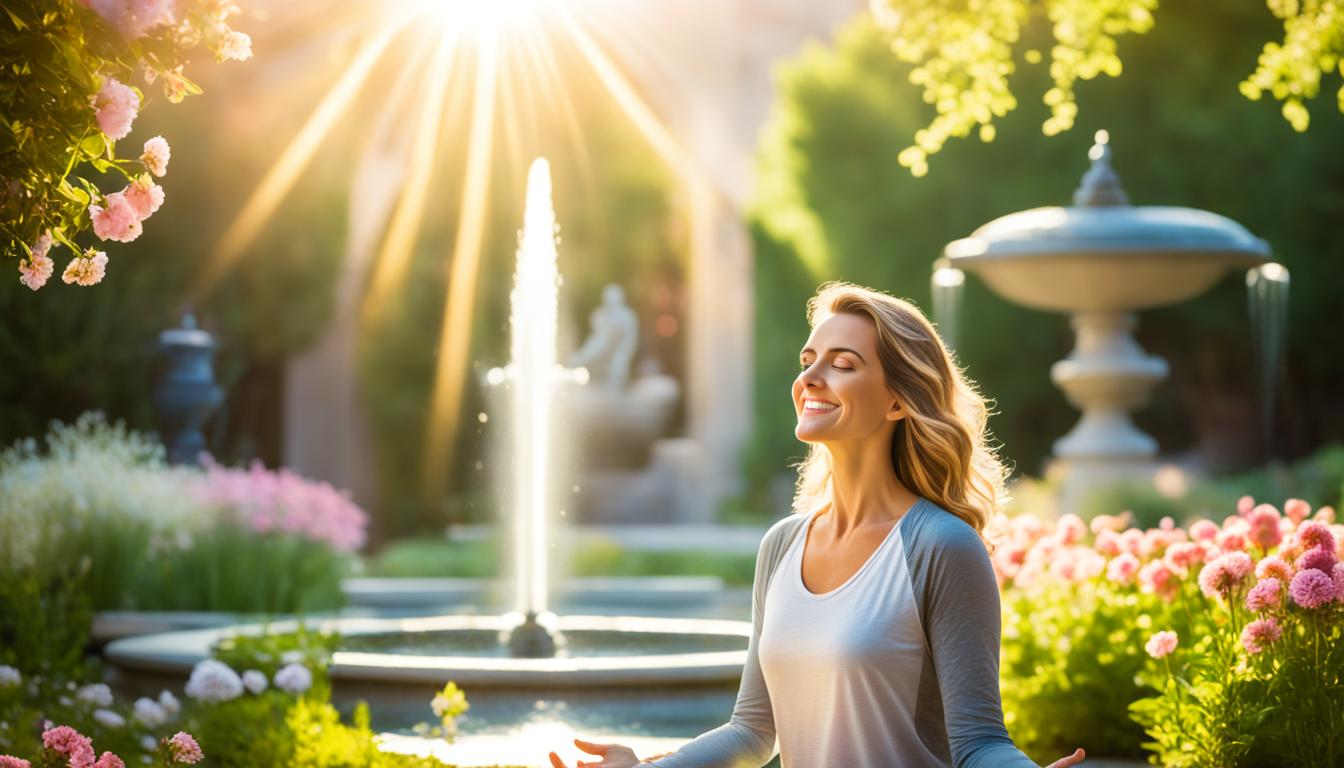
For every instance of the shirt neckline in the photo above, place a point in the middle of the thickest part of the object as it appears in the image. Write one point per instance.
(802, 549)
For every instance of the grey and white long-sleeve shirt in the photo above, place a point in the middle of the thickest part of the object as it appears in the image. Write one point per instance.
(897, 667)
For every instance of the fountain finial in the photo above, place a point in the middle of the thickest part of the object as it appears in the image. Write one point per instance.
(1100, 186)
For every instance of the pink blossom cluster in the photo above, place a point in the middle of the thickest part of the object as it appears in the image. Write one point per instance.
(63, 744)
(182, 748)
(285, 502)
(122, 214)
(134, 18)
(1268, 561)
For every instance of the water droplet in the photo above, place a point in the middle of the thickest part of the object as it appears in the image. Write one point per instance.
(481, 417)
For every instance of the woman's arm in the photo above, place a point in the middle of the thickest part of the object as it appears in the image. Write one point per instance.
(963, 624)
(747, 740)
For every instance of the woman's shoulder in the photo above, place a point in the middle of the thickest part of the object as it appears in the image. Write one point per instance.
(781, 532)
(934, 530)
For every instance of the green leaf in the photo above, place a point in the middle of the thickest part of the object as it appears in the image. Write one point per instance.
(93, 146)
(75, 195)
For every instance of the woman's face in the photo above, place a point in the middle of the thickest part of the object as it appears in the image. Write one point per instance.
(841, 392)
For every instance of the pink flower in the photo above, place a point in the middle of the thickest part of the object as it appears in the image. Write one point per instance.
(184, 749)
(1184, 555)
(1274, 566)
(284, 502)
(1071, 529)
(87, 269)
(9, 761)
(71, 744)
(1157, 578)
(1108, 542)
(133, 18)
(116, 105)
(1322, 560)
(1260, 633)
(1204, 530)
(144, 196)
(1244, 504)
(1324, 515)
(109, 760)
(118, 220)
(1232, 539)
(1220, 577)
(1264, 522)
(1161, 644)
(1131, 541)
(1337, 575)
(35, 270)
(1312, 534)
(1267, 593)
(1312, 589)
(155, 156)
(1122, 569)
(1296, 510)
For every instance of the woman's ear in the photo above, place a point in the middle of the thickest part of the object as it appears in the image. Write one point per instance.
(896, 412)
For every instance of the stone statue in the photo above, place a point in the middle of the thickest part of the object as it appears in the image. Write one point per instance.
(610, 346)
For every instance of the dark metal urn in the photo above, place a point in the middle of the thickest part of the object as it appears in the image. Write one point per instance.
(186, 394)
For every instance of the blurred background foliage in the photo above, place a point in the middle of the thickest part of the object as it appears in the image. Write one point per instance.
(832, 202)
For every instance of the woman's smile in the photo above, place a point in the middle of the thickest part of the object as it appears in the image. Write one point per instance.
(813, 406)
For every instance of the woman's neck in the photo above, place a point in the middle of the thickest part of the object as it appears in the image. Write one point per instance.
(864, 487)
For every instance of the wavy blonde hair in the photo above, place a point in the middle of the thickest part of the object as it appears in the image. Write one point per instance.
(940, 450)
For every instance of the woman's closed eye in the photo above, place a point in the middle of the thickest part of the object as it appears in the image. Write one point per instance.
(839, 365)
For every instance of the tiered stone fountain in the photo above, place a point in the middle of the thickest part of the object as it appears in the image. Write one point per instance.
(1101, 261)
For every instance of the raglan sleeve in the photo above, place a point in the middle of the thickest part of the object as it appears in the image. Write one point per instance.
(963, 623)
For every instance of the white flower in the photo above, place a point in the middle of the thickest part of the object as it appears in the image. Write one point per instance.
(169, 703)
(9, 676)
(214, 681)
(254, 681)
(294, 678)
(292, 657)
(97, 694)
(149, 743)
(149, 712)
(109, 718)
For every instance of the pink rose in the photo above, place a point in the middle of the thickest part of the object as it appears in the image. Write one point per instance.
(116, 105)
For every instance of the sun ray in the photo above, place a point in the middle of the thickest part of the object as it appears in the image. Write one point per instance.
(268, 195)
(455, 334)
(542, 59)
(629, 100)
(394, 256)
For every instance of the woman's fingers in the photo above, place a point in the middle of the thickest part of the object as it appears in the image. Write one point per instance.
(1074, 759)
(556, 762)
(591, 748)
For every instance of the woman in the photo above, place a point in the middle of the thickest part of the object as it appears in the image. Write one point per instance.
(875, 626)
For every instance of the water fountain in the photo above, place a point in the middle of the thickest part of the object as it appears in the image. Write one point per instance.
(685, 671)
(1102, 260)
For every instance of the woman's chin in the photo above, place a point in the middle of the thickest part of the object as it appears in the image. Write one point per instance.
(808, 434)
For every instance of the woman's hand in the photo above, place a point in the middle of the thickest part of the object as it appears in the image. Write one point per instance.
(613, 756)
(1065, 762)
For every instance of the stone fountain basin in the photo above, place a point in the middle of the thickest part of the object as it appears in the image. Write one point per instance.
(1108, 259)
(606, 651)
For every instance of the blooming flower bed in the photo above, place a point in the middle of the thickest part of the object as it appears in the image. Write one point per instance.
(98, 522)
(1221, 643)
